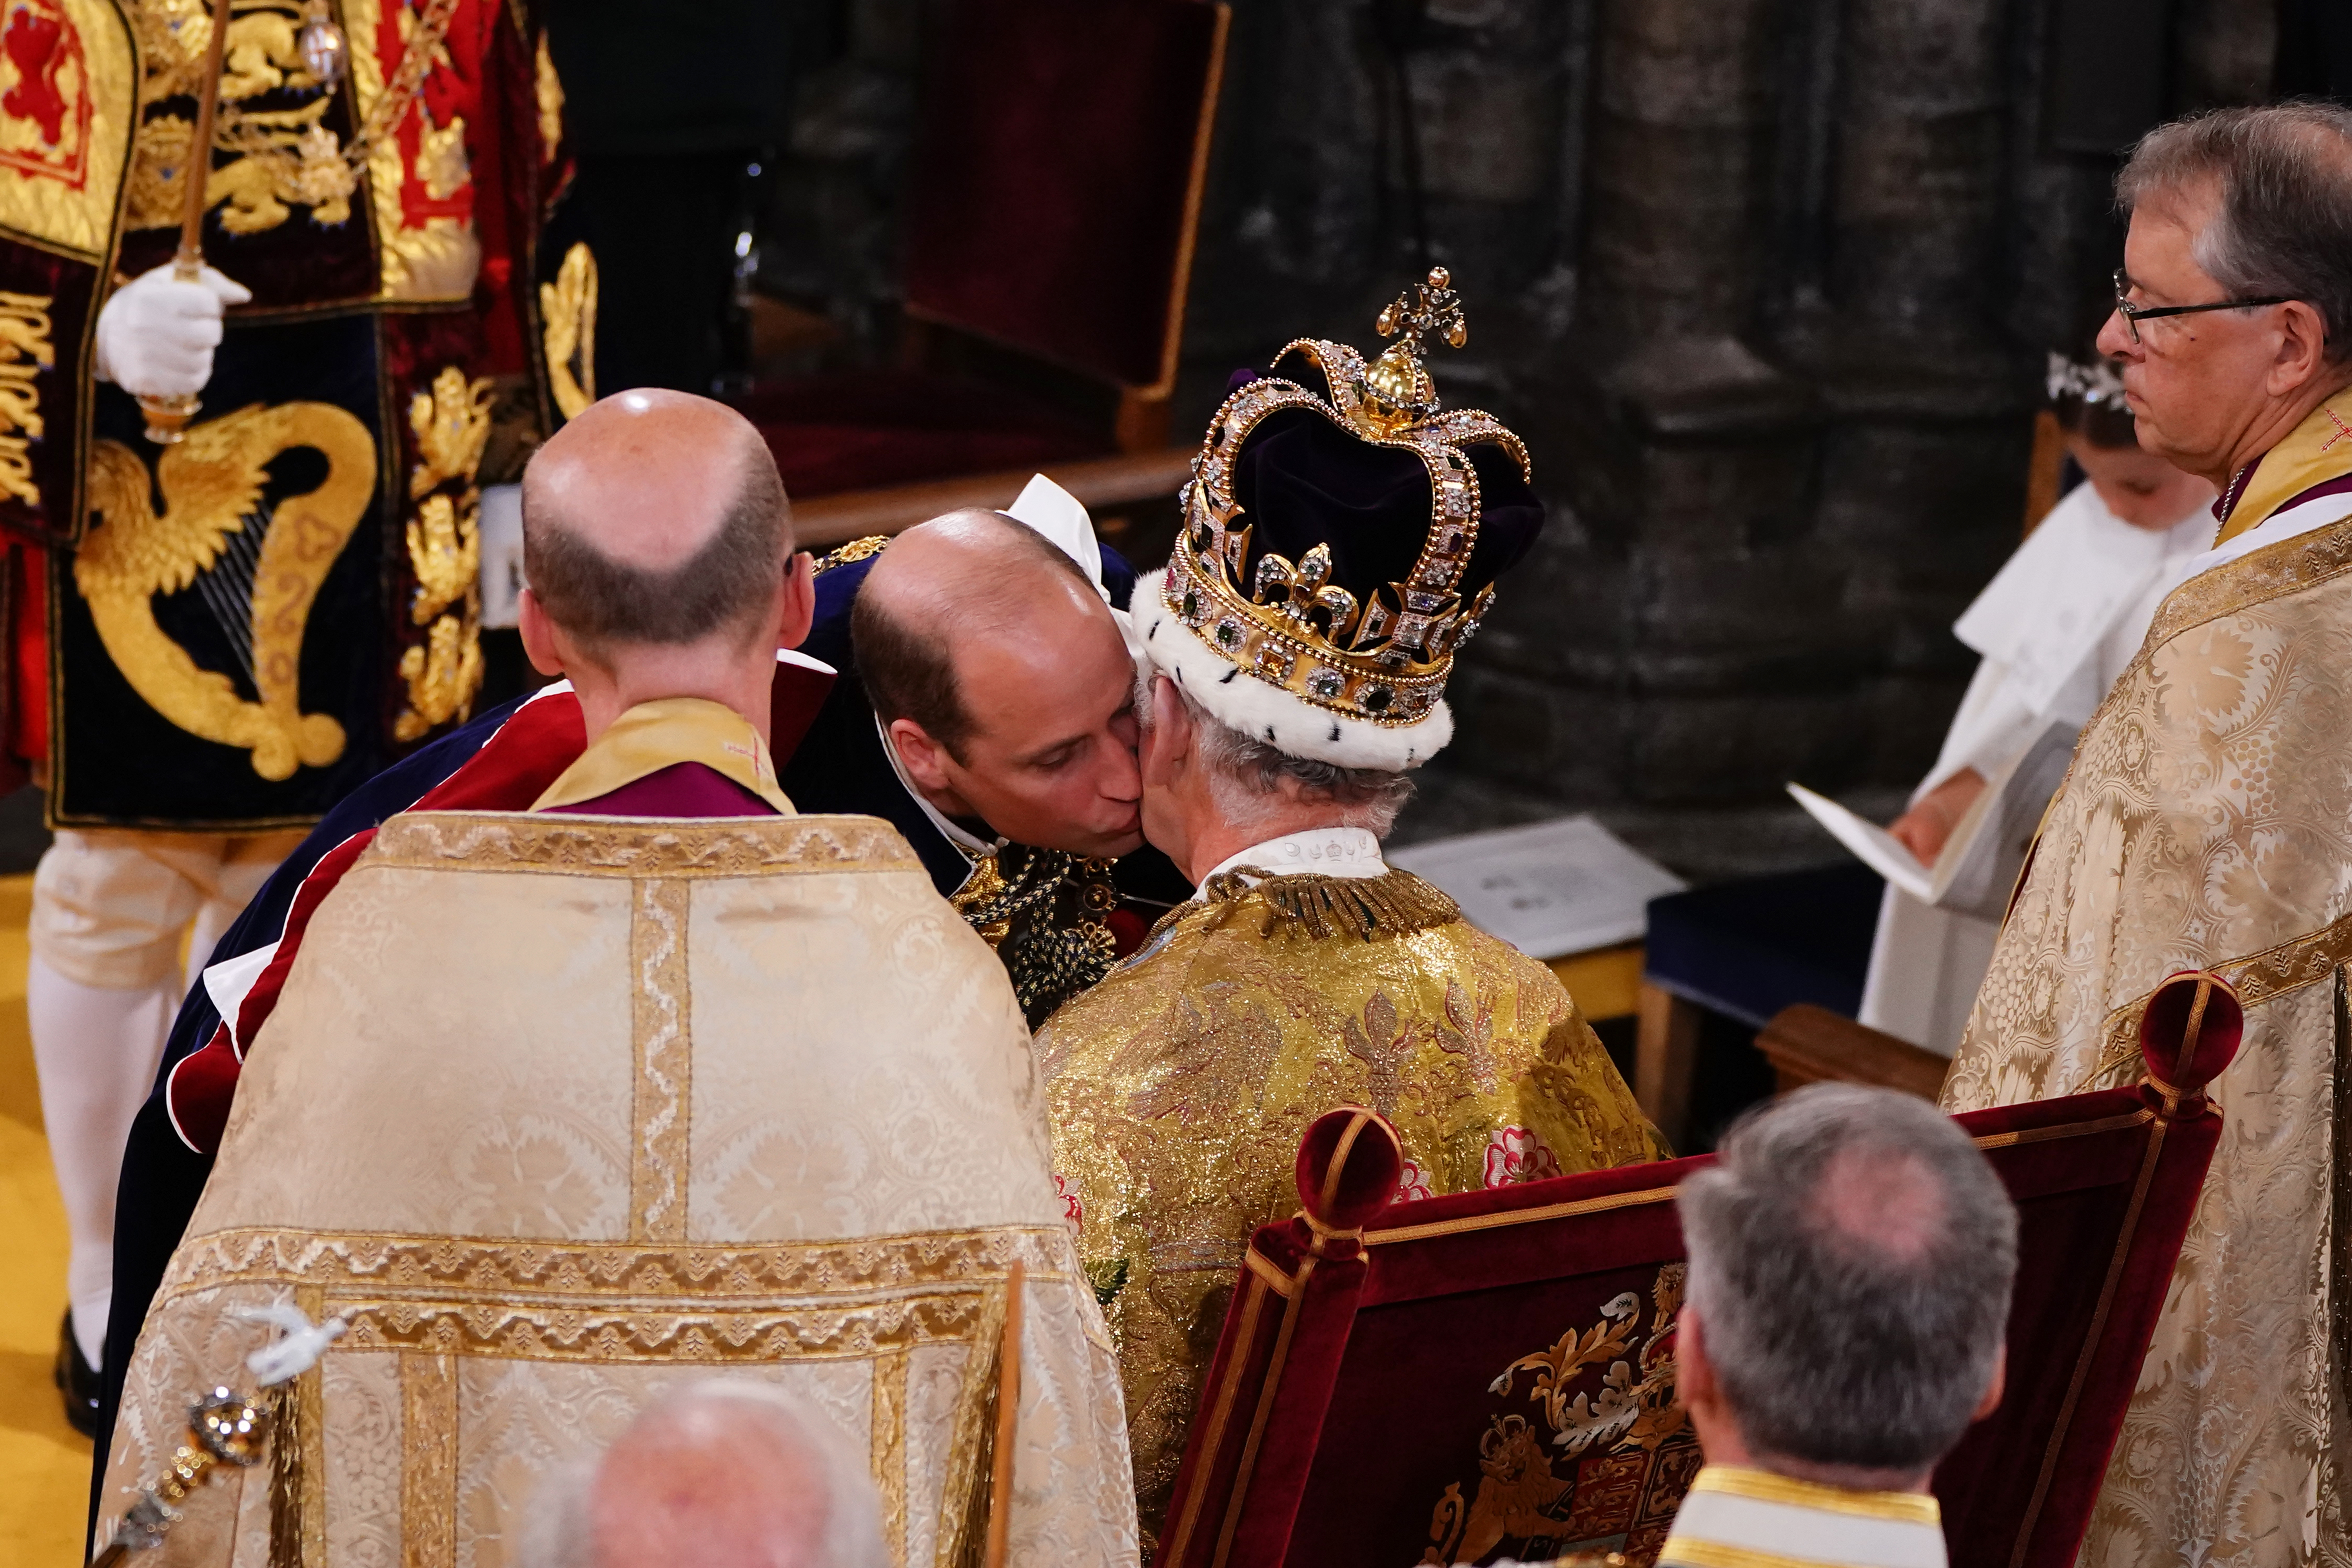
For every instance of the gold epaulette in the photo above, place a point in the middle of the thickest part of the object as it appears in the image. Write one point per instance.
(857, 550)
(1395, 903)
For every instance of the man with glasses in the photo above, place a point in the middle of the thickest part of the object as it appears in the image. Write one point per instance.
(2207, 823)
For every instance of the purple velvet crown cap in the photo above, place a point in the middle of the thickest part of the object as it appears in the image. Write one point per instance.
(1301, 480)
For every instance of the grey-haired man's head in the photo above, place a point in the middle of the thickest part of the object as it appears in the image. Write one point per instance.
(1851, 1254)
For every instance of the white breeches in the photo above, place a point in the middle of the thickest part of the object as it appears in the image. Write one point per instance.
(111, 913)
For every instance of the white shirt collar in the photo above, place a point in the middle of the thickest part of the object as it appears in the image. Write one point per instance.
(972, 846)
(1351, 852)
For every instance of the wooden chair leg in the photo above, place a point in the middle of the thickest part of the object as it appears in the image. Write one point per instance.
(1665, 1057)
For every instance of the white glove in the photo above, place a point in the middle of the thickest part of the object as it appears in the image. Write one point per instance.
(156, 334)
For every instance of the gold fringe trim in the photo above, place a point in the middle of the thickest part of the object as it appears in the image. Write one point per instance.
(1395, 903)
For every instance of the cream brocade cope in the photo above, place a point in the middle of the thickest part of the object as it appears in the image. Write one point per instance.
(562, 1111)
(1181, 1086)
(2207, 821)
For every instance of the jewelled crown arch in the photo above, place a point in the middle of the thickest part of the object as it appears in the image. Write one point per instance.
(1382, 659)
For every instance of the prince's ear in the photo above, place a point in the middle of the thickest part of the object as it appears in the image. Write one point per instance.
(923, 758)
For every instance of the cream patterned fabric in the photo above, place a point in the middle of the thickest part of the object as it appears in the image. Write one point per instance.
(562, 1109)
(2207, 823)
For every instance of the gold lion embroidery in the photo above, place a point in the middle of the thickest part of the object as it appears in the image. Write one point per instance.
(212, 485)
(452, 424)
(25, 352)
(1628, 1412)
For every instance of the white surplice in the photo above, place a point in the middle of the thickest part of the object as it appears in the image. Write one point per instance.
(2055, 627)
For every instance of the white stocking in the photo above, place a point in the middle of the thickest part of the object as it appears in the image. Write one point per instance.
(96, 1051)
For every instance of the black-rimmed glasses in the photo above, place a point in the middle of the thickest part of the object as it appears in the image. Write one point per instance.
(2134, 315)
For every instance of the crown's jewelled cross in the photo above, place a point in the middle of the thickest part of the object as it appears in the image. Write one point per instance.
(1436, 311)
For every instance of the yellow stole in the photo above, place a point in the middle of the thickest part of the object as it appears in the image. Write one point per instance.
(2317, 450)
(659, 735)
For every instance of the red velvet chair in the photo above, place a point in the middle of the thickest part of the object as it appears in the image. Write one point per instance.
(1053, 189)
(1492, 1375)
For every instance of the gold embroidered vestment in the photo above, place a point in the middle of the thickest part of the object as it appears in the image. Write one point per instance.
(561, 1112)
(1181, 1086)
(2207, 823)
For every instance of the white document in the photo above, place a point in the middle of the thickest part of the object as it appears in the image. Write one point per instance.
(1549, 889)
(1978, 869)
(1872, 845)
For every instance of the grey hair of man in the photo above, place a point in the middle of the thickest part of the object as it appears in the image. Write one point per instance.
(1245, 775)
(2283, 229)
(758, 1446)
(1851, 1256)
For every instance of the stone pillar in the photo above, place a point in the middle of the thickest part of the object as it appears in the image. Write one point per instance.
(1666, 643)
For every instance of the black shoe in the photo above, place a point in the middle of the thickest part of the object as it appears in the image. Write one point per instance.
(78, 1381)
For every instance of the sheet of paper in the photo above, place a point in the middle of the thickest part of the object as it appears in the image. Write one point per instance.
(1549, 889)
(1871, 844)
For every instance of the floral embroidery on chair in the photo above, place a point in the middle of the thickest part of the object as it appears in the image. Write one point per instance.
(1074, 1205)
(1519, 1154)
(1413, 1184)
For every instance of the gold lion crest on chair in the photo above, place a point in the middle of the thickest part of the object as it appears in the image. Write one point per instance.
(1610, 1408)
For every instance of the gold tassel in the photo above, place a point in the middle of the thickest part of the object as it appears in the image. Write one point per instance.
(1395, 903)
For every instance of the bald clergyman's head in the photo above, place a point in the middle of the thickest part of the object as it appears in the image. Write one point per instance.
(655, 518)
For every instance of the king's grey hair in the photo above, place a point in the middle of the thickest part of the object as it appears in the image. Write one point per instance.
(558, 1529)
(1851, 1260)
(2283, 226)
(1246, 775)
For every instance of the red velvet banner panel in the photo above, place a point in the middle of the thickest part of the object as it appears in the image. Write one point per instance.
(1053, 174)
(1492, 1375)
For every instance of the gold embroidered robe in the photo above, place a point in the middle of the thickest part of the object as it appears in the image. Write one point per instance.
(564, 1110)
(1179, 1087)
(2207, 821)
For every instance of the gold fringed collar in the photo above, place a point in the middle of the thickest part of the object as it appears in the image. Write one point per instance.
(1395, 903)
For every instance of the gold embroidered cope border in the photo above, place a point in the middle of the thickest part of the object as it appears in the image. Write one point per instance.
(660, 1034)
(432, 1301)
(573, 1274)
(2288, 566)
(582, 845)
(428, 1471)
(888, 1460)
(2257, 978)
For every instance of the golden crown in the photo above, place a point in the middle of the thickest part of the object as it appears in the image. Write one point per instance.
(1384, 659)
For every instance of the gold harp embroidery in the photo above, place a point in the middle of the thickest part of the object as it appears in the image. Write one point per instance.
(25, 353)
(452, 421)
(212, 486)
(568, 308)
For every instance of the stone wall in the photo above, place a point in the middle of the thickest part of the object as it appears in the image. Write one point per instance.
(1764, 284)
